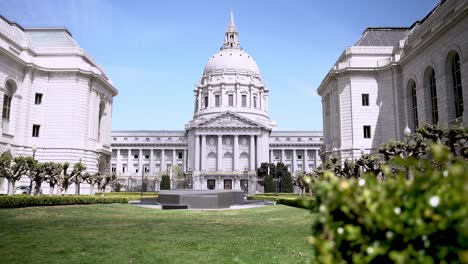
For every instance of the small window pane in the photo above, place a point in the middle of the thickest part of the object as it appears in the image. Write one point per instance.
(367, 132)
(231, 99)
(365, 99)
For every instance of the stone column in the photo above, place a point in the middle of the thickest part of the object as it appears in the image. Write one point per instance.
(151, 166)
(252, 153)
(163, 162)
(140, 162)
(272, 156)
(306, 161)
(197, 153)
(174, 158)
(236, 153)
(118, 164)
(293, 162)
(316, 159)
(129, 162)
(283, 157)
(184, 160)
(220, 153)
(203, 153)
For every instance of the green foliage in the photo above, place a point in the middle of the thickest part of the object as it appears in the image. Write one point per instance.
(165, 182)
(26, 200)
(286, 180)
(423, 220)
(300, 202)
(269, 184)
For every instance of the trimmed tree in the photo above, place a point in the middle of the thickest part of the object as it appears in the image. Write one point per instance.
(13, 168)
(37, 174)
(286, 180)
(53, 171)
(77, 176)
(269, 184)
(165, 182)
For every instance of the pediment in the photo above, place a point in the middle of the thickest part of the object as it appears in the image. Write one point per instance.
(229, 120)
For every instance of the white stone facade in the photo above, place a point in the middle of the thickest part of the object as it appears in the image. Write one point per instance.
(54, 97)
(385, 66)
(230, 134)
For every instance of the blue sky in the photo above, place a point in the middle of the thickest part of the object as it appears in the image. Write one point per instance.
(155, 51)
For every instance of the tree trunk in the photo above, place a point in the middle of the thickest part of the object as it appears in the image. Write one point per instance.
(77, 188)
(51, 189)
(91, 189)
(66, 191)
(33, 188)
(11, 187)
(310, 191)
(37, 189)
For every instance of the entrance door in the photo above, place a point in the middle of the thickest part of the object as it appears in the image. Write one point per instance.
(227, 184)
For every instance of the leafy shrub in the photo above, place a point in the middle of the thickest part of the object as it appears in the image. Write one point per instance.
(423, 219)
(300, 202)
(165, 183)
(27, 201)
(269, 184)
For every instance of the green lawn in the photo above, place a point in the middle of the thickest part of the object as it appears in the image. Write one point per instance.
(120, 233)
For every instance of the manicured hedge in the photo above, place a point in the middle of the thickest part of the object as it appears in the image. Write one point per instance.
(300, 202)
(286, 199)
(27, 201)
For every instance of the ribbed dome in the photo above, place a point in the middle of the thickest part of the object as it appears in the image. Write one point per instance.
(231, 59)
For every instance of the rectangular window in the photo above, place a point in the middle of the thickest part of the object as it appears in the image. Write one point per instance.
(147, 156)
(113, 169)
(146, 169)
(367, 132)
(231, 99)
(123, 168)
(135, 156)
(210, 184)
(255, 102)
(35, 131)
(217, 100)
(244, 100)
(6, 107)
(136, 170)
(227, 184)
(299, 157)
(365, 99)
(38, 99)
(180, 155)
(206, 101)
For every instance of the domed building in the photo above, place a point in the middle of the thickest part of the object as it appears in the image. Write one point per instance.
(230, 134)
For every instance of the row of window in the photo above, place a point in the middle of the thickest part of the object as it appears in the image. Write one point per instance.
(430, 92)
(298, 139)
(147, 156)
(147, 139)
(146, 168)
(230, 101)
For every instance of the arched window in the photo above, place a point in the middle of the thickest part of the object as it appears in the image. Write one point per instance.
(432, 90)
(414, 103)
(10, 88)
(457, 86)
(100, 115)
(244, 161)
(211, 162)
(227, 162)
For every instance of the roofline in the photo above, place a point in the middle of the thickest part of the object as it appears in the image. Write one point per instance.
(13, 23)
(49, 29)
(385, 28)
